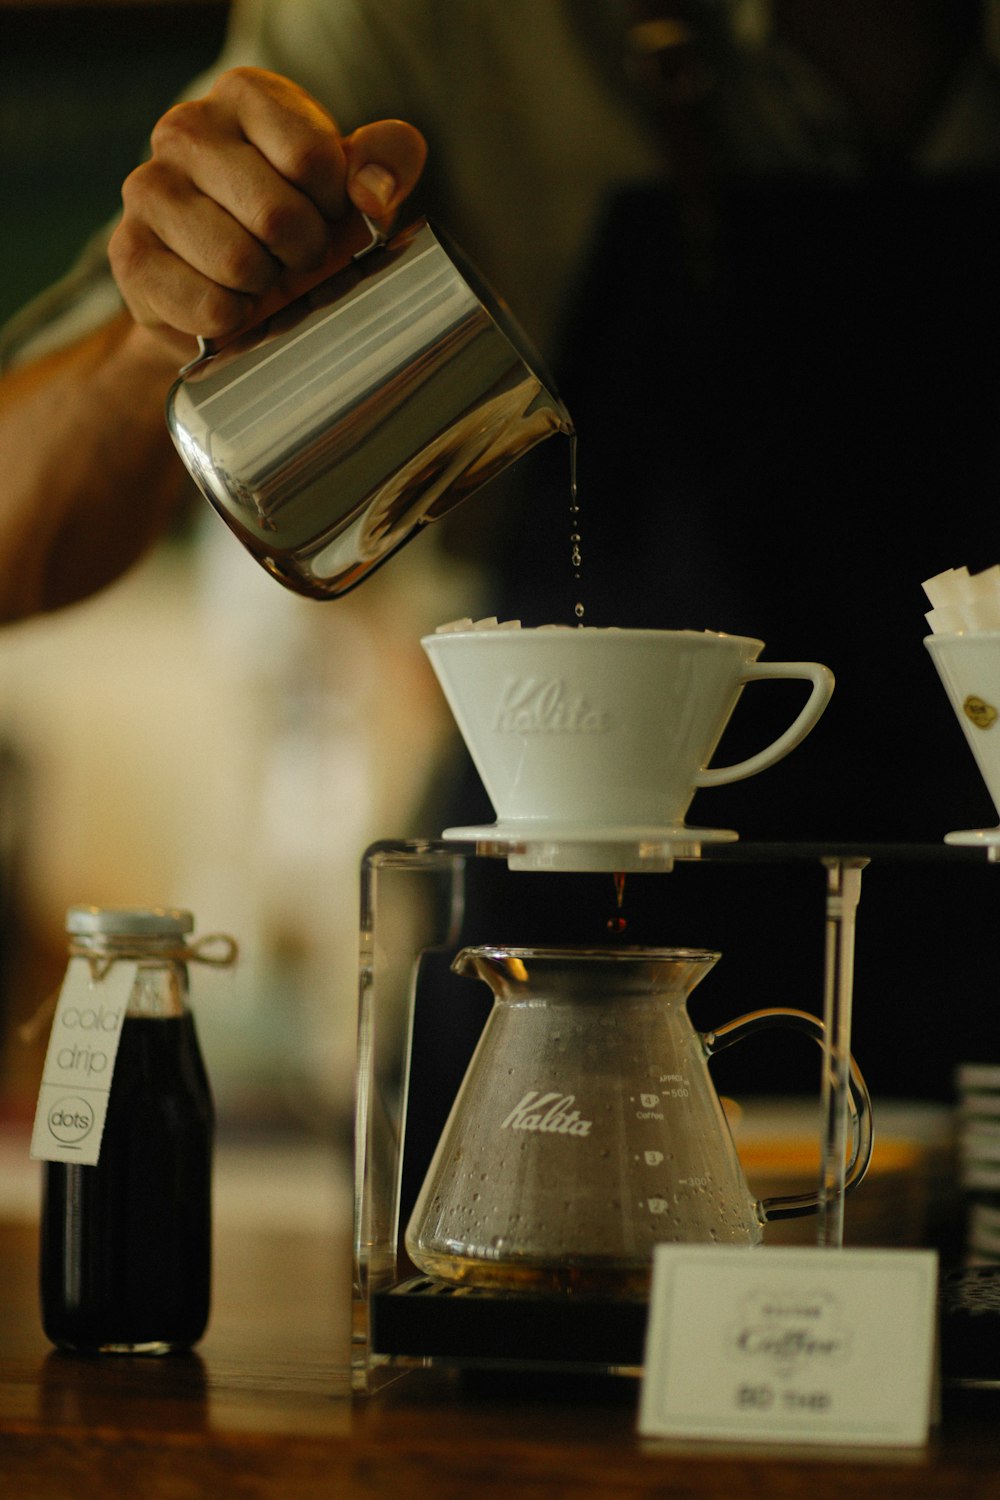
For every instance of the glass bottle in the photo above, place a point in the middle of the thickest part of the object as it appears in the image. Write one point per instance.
(126, 1244)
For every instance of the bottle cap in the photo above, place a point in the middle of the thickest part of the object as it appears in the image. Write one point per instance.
(128, 921)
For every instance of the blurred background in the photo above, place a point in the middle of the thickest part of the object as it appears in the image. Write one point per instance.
(198, 736)
(195, 735)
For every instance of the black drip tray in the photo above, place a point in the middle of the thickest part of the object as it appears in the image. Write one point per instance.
(464, 1325)
(970, 1326)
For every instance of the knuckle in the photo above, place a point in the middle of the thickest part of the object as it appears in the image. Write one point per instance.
(179, 121)
(241, 80)
(306, 157)
(181, 124)
(242, 267)
(127, 252)
(140, 186)
(271, 223)
(218, 312)
(287, 231)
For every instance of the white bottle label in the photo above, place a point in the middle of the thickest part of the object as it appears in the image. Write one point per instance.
(80, 1062)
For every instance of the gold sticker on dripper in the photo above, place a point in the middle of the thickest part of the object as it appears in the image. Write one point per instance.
(981, 713)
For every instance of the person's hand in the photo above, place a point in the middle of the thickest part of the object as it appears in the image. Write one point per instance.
(249, 198)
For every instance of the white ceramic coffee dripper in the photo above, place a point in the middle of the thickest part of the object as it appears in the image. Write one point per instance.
(969, 667)
(591, 743)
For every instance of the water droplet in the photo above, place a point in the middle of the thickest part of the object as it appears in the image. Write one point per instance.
(575, 538)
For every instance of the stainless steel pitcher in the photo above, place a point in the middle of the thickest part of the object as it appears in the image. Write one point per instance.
(328, 436)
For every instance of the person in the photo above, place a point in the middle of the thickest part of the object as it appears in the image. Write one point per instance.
(762, 260)
(90, 364)
(242, 203)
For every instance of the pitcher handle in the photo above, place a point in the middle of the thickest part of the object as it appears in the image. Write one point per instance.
(797, 1205)
(376, 239)
(822, 686)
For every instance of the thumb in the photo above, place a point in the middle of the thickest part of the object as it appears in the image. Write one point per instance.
(384, 163)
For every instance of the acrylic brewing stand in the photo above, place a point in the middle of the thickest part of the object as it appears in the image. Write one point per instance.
(413, 902)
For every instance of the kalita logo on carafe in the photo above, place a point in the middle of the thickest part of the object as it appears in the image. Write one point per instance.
(550, 1114)
(535, 705)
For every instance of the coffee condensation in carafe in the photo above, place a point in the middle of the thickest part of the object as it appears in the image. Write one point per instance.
(125, 1261)
(587, 1129)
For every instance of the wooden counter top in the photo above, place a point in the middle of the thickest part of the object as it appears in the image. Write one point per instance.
(263, 1410)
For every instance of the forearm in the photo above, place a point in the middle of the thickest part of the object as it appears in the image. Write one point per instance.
(88, 475)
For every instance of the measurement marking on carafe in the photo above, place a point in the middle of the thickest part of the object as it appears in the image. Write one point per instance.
(649, 1103)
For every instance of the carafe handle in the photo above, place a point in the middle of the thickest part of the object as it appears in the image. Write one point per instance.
(797, 1205)
(822, 686)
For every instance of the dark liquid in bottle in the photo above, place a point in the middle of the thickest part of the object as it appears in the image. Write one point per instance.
(126, 1244)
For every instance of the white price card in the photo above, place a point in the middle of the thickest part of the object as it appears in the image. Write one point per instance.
(79, 1063)
(791, 1345)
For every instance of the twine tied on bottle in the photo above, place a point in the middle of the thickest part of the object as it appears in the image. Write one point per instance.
(182, 953)
(199, 952)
